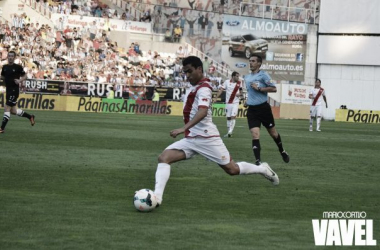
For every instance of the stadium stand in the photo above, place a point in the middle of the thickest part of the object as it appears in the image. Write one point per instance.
(60, 52)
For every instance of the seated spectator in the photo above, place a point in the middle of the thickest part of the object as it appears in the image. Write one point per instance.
(177, 33)
(131, 50)
(124, 16)
(98, 12)
(86, 9)
(137, 48)
(169, 61)
(161, 75)
(212, 68)
(185, 51)
(180, 53)
(145, 65)
(168, 72)
(146, 17)
(138, 81)
(177, 67)
(168, 36)
(128, 15)
(149, 56)
(157, 61)
(93, 30)
(215, 85)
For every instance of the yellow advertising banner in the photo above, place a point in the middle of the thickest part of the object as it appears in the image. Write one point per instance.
(97, 104)
(176, 108)
(359, 116)
(37, 102)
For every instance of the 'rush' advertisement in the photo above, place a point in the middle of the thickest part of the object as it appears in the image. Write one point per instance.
(282, 46)
(67, 88)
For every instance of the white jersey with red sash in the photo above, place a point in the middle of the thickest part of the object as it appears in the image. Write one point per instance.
(317, 93)
(200, 96)
(232, 89)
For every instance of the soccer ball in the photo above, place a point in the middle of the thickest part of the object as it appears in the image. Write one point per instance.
(145, 200)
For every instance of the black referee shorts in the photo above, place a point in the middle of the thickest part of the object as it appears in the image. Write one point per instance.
(11, 98)
(260, 114)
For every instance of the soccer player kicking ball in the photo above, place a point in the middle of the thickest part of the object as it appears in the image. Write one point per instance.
(201, 134)
(13, 74)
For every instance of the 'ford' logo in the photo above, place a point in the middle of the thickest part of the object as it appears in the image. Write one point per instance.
(241, 65)
(232, 23)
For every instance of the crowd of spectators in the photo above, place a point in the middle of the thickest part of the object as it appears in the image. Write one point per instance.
(78, 54)
(94, 8)
(292, 10)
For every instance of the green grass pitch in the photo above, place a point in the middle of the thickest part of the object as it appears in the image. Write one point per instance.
(68, 183)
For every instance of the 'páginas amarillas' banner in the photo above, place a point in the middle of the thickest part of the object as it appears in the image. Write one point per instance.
(360, 116)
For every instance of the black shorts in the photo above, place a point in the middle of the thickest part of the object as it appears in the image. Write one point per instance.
(11, 98)
(260, 114)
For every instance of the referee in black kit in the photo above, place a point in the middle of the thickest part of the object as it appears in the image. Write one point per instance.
(13, 75)
(259, 84)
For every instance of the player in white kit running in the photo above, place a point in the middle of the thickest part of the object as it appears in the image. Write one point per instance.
(233, 88)
(316, 107)
(201, 134)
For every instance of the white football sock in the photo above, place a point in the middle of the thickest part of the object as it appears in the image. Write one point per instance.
(249, 168)
(228, 125)
(311, 121)
(162, 177)
(232, 126)
(319, 122)
(20, 112)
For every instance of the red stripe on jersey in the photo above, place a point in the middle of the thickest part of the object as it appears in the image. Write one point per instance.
(190, 101)
(317, 96)
(233, 94)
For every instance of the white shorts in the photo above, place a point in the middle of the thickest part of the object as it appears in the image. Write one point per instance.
(315, 111)
(212, 148)
(232, 109)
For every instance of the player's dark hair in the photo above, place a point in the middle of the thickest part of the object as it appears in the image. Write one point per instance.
(259, 58)
(318, 80)
(193, 61)
(234, 73)
(12, 52)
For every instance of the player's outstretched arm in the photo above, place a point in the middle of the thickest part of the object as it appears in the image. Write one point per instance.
(202, 113)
